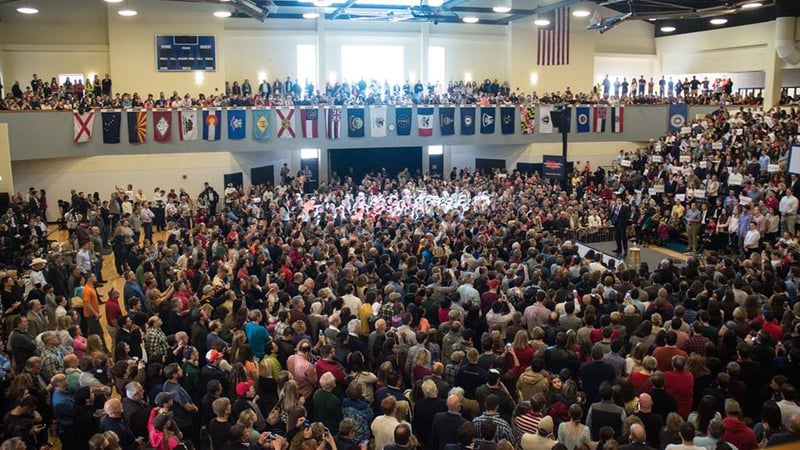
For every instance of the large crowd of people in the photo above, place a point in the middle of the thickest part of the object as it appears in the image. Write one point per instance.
(98, 93)
(402, 312)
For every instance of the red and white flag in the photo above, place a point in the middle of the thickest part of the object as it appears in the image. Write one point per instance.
(162, 126)
(286, 118)
(554, 40)
(599, 122)
(309, 117)
(82, 125)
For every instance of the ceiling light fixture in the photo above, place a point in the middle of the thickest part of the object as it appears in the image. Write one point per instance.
(113, 1)
(311, 15)
(127, 12)
(718, 21)
(502, 9)
(470, 19)
(581, 13)
(322, 3)
(27, 8)
(541, 22)
(222, 14)
(752, 5)
(668, 29)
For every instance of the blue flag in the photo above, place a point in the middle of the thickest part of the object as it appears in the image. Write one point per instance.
(212, 125)
(467, 120)
(355, 122)
(261, 120)
(111, 127)
(582, 119)
(507, 121)
(678, 113)
(403, 120)
(487, 119)
(447, 121)
(236, 123)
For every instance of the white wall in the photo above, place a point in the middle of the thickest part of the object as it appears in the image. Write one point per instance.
(625, 66)
(598, 153)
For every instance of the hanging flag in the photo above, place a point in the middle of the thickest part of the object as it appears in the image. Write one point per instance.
(599, 122)
(403, 119)
(507, 120)
(553, 45)
(333, 120)
(261, 119)
(425, 121)
(111, 126)
(82, 125)
(545, 125)
(309, 117)
(467, 120)
(487, 119)
(617, 118)
(236, 123)
(447, 121)
(582, 119)
(137, 127)
(162, 126)
(355, 122)
(286, 117)
(212, 124)
(678, 112)
(377, 121)
(188, 120)
(527, 119)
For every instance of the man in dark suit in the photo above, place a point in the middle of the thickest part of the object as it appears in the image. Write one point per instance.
(620, 217)
(444, 429)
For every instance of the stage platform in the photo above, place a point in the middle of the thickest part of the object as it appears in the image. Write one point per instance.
(651, 255)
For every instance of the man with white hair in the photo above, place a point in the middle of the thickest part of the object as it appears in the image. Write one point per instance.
(135, 410)
(637, 438)
(327, 407)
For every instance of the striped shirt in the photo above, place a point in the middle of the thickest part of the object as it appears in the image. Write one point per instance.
(526, 423)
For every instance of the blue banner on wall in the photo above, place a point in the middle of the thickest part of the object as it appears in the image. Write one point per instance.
(678, 112)
(553, 167)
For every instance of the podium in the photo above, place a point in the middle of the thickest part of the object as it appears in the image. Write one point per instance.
(635, 254)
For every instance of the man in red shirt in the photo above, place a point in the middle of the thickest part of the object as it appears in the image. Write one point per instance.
(327, 364)
(680, 384)
(736, 431)
(664, 354)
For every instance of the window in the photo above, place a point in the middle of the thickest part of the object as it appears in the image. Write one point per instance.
(372, 62)
(307, 64)
(436, 65)
(309, 153)
(435, 150)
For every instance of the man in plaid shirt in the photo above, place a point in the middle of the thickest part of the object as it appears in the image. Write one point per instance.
(155, 341)
(490, 414)
(52, 357)
(696, 342)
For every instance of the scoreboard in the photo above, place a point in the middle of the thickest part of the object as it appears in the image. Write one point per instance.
(185, 53)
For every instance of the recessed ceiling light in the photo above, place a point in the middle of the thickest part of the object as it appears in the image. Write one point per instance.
(501, 9)
(470, 19)
(652, 19)
(27, 10)
(718, 21)
(113, 1)
(541, 22)
(127, 12)
(311, 15)
(752, 5)
(668, 29)
(322, 3)
(581, 13)
(222, 14)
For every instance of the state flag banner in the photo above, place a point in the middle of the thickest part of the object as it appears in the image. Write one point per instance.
(425, 121)
(355, 122)
(487, 119)
(82, 125)
(377, 121)
(678, 113)
(162, 126)
(333, 123)
(617, 119)
(467, 120)
(527, 119)
(261, 120)
(447, 121)
(507, 120)
(188, 122)
(582, 119)
(137, 127)
(403, 120)
(545, 125)
(111, 127)
(236, 124)
(286, 118)
(212, 124)
(309, 117)
(599, 122)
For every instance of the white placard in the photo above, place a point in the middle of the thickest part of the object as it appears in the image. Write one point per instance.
(738, 132)
(745, 200)
(657, 158)
(685, 158)
(625, 163)
(716, 145)
(700, 193)
(652, 191)
(773, 168)
(681, 197)
(703, 164)
(658, 188)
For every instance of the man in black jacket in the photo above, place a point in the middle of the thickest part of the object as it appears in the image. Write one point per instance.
(620, 216)
(637, 438)
(445, 425)
(21, 343)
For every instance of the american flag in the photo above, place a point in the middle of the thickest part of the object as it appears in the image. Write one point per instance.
(554, 40)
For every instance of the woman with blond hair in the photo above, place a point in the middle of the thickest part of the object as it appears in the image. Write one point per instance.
(248, 418)
(670, 433)
(422, 362)
(641, 379)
